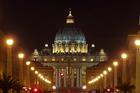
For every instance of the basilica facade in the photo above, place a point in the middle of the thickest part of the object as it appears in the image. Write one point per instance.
(69, 56)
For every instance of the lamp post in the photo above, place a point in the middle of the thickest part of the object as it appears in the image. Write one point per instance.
(105, 78)
(115, 63)
(9, 43)
(36, 80)
(28, 73)
(124, 57)
(137, 43)
(21, 57)
(109, 76)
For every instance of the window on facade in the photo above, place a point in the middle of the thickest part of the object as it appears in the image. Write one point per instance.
(74, 59)
(91, 59)
(45, 59)
(62, 59)
(53, 59)
(84, 59)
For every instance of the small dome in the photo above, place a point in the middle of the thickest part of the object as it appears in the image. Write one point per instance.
(70, 35)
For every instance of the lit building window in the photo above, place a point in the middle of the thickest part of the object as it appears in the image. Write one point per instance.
(53, 59)
(74, 59)
(91, 59)
(62, 59)
(46, 45)
(83, 59)
(92, 45)
(45, 59)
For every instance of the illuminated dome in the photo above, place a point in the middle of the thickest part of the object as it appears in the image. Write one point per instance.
(70, 35)
(70, 39)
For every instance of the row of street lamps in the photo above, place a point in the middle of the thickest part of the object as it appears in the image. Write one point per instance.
(124, 57)
(109, 69)
(105, 73)
(21, 56)
(32, 68)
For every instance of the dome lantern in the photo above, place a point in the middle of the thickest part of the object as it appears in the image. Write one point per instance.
(70, 19)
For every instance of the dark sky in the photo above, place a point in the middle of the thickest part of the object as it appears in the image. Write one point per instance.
(106, 23)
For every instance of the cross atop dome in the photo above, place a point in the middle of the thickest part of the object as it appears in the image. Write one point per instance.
(70, 18)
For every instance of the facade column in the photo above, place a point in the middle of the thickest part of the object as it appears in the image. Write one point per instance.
(65, 77)
(59, 78)
(77, 77)
(80, 77)
(56, 77)
(72, 77)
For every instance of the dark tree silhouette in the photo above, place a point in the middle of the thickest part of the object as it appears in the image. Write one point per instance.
(126, 87)
(7, 83)
(18, 86)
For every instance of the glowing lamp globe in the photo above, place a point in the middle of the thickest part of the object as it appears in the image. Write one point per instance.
(105, 72)
(101, 75)
(53, 87)
(137, 42)
(10, 42)
(32, 68)
(115, 63)
(124, 55)
(35, 89)
(92, 45)
(28, 63)
(109, 69)
(36, 72)
(84, 87)
(21, 55)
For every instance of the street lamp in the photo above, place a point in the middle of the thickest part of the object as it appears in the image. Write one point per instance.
(32, 68)
(28, 63)
(9, 43)
(21, 65)
(110, 76)
(109, 69)
(105, 78)
(124, 57)
(101, 75)
(36, 79)
(21, 55)
(115, 63)
(84, 87)
(54, 87)
(36, 72)
(105, 72)
(137, 43)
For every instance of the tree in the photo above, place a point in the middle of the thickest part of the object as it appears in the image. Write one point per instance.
(126, 87)
(18, 86)
(7, 83)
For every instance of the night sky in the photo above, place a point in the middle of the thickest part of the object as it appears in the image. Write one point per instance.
(106, 23)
